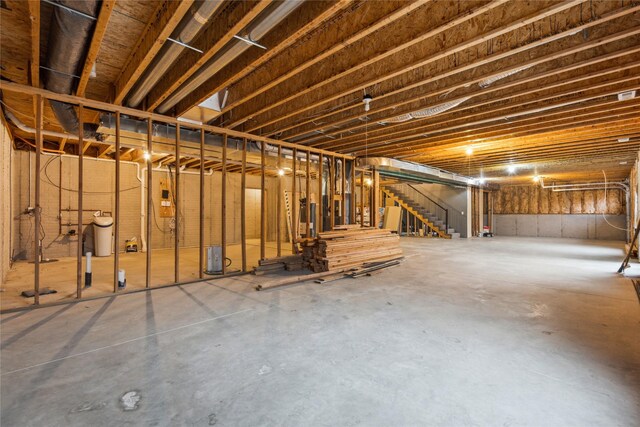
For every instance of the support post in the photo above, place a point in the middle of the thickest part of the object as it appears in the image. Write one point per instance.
(243, 205)
(263, 204)
(375, 199)
(177, 210)
(149, 199)
(352, 194)
(308, 195)
(116, 228)
(319, 205)
(362, 198)
(279, 204)
(223, 203)
(80, 189)
(332, 187)
(201, 225)
(38, 207)
(294, 204)
(343, 211)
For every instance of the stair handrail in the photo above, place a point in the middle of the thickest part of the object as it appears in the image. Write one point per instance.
(446, 210)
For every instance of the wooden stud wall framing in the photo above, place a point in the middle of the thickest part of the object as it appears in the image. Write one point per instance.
(40, 95)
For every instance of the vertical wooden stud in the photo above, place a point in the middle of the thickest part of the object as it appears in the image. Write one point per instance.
(116, 231)
(201, 225)
(149, 199)
(352, 194)
(223, 216)
(177, 210)
(308, 195)
(80, 189)
(243, 206)
(319, 205)
(279, 204)
(263, 203)
(295, 203)
(343, 211)
(38, 207)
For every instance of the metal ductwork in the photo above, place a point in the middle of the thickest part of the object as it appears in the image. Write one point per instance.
(71, 28)
(199, 14)
(255, 31)
(168, 132)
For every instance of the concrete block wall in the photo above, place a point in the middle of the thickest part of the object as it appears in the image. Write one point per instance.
(59, 194)
(576, 226)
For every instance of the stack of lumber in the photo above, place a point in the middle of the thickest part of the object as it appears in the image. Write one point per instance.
(272, 265)
(351, 248)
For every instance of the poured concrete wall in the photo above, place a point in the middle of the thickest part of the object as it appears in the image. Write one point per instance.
(59, 194)
(583, 226)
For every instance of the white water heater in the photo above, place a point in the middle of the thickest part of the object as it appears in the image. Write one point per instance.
(214, 260)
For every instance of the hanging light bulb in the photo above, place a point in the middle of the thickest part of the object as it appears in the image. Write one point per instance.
(146, 155)
(469, 151)
(367, 100)
(511, 169)
(368, 182)
(536, 178)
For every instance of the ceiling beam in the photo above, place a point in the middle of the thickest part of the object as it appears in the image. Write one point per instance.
(345, 31)
(96, 41)
(214, 37)
(34, 61)
(389, 44)
(405, 58)
(484, 96)
(307, 17)
(412, 129)
(161, 24)
(390, 101)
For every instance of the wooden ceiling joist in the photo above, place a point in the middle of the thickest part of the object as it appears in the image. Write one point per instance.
(399, 102)
(165, 19)
(213, 38)
(307, 17)
(96, 42)
(340, 86)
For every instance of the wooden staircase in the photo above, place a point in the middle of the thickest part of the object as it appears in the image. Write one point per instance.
(413, 211)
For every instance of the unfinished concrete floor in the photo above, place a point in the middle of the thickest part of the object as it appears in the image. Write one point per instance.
(61, 275)
(503, 331)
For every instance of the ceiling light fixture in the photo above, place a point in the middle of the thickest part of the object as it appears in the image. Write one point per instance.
(536, 178)
(367, 100)
(146, 155)
(368, 182)
(511, 169)
(469, 151)
(281, 172)
(482, 181)
(627, 95)
(623, 139)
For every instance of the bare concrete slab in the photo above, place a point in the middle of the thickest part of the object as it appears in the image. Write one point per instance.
(502, 331)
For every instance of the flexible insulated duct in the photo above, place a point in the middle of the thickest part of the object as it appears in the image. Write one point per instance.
(199, 14)
(255, 31)
(69, 39)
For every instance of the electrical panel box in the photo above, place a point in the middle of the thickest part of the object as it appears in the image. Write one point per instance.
(166, 200)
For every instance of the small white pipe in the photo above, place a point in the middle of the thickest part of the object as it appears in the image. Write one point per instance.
(88, 267)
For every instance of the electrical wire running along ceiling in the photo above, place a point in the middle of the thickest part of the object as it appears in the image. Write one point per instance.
(470, 87)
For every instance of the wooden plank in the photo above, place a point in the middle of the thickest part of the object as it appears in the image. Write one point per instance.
(223, 204)
(165, 19)
(96, 41)
(176, 241)
(279, 205)
(201, 216)
(34, 62)
(38, 208)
